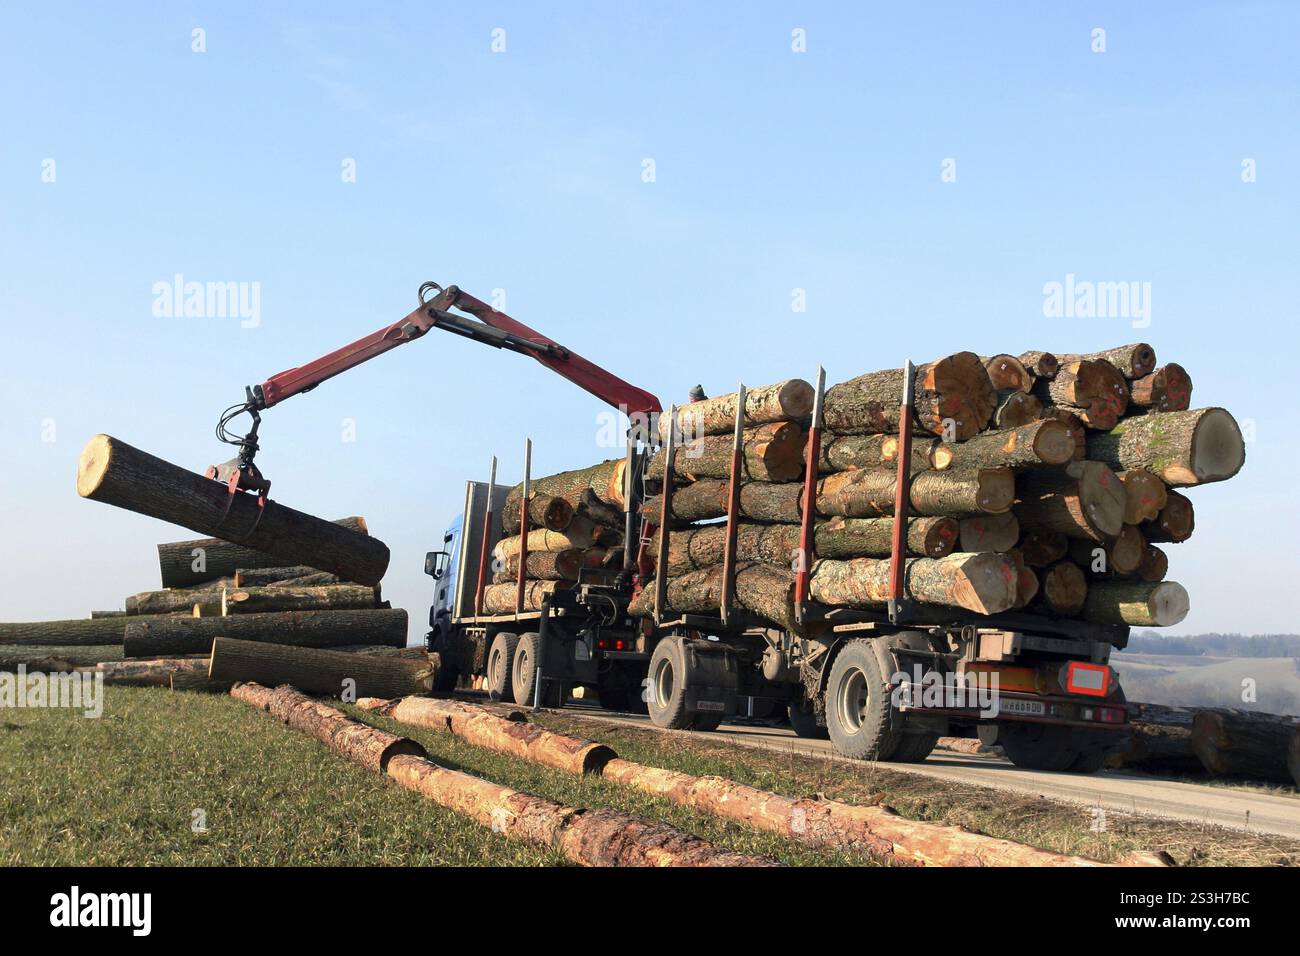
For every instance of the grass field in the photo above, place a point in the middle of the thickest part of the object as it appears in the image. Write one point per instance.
(124, 790)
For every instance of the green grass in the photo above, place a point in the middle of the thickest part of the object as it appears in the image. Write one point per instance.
(122, 790)
(1036, 821)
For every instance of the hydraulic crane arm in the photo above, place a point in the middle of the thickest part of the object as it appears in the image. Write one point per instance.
(487, 325)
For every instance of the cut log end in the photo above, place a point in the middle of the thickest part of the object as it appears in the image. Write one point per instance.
(93, 464)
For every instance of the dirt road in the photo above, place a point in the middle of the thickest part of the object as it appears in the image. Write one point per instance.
(1242, 808)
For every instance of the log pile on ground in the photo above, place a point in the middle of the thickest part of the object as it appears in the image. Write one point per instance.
(1039, 482)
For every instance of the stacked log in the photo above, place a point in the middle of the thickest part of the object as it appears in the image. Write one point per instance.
(1059, 471)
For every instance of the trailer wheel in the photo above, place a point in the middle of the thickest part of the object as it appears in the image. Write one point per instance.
(858, 708)
(666, 699)
(500, 665)
(524, 675)
(1038, 746)
(804, 720)
(914, 748)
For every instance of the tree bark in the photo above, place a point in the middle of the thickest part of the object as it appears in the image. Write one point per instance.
(172, 636)
(171, 601)
(338, 597)
(869, 493)
(318, 671)
(772, 452)
(113, 472)
(1138, 603)
(96, 615)
(785, 401)
(604, 480)
(55, 658)
(151, 673)
(1145, 493)
(79, 632)
(1014, 408)
(314, 580)
(1083, 500)
(1092, 389)
(707, 498)
(500, 598)
(264, 577)
(989, 533)
(1160, 748)
(581, 534)
(369, 746)
(1132, 361)
(762, 590)
(1042, 364)
(953, 398)
(983, 583)
(1041, 548)
(1008, 372)
(1175, 523)
(549, 565)
(1167, 389)
(1183, 448)
(1046, 442)
(544, 511)
(176, 559)
(1234, 743)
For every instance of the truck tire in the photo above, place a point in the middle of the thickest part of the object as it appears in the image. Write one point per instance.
(500, 665)
(804, 721)
(1038, 746)
(523, 675)
(666, 699)
(858, 709)
(914, 748)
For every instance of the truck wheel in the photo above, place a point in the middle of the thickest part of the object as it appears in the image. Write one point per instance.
(914, 748)
(858, 705)
(524, 675)
(804, 721)
(666, 700)
(500, 664)
(1038, 746)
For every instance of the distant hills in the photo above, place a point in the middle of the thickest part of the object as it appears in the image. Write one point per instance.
(1251, 672)
(1215, 645)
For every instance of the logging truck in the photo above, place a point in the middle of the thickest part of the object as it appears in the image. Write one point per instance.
(881, 684)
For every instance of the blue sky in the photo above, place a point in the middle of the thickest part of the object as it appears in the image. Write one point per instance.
(522, 170)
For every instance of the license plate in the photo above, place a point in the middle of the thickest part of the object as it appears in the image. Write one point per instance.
(1027, 708)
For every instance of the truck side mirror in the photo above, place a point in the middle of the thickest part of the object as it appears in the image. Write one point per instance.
(433, 563)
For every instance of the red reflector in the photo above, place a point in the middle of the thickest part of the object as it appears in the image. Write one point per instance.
(1091, 679)
(618, 645)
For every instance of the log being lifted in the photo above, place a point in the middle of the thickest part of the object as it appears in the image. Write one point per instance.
(1167, 389)
(772, 452)
(1235, 743)
(369, 746)
(693, 548)
(265, 577)
(1140, 603)
(115, 473)
(760, 589)
(1093, 390)
(983, 583)
(953, 398)
(1083, 500)
(170, 636)
(544, 511)
(1183, 448)
(80, 632)
(185, 564)
(318, 671)
(785, 401)
(604, 480)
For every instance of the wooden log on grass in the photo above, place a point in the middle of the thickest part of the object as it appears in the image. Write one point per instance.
(1167, 389)
(1139, 603)
(983, 583)
(115, 473)
(172, 636)
(953, 398)
(318, 671)
(1093, 390)
(156, 672)
(1159, 748)
(1083, 500)
(1184, 448)
(784, 401)
(184, 564)
(369, 746)
(1236, 743)
(771, 452)
(56, 658)
(80, 632)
